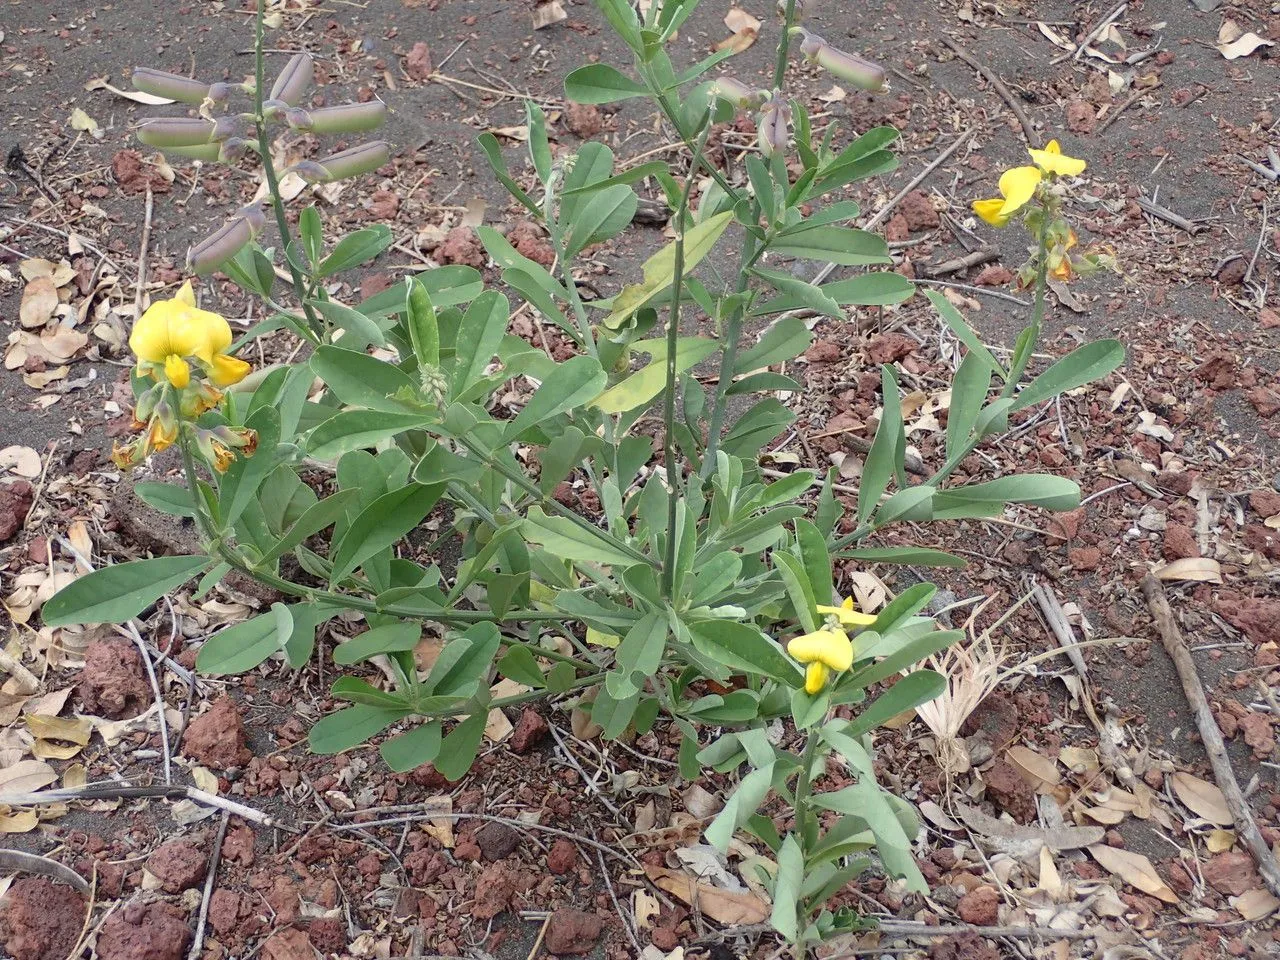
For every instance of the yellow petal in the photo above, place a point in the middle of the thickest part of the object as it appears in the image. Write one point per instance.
(989, 210)
(186, 295)
(150, 337)
(1052, 160)
(848, 616)
(831, 647)
(224, 370)
(177, 371)
(815, 678)
(1018, 186)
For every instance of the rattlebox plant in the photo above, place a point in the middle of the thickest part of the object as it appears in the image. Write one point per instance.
(701, 596)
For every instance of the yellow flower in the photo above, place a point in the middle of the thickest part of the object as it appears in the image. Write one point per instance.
(173, 332)
(847, 614)
(822, 651)
(1056, 163)
(1017, 187)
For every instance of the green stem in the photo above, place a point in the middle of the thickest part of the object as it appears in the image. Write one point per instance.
(728, 357)
(804, 786)
(566, 269)
(203, 522)
(273, 182)
(673, 337)
(784, 45)
(1027, 341)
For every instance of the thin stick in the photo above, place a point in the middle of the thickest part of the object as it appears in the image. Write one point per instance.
(1219, 761)
(1253, 262)
(591, 785)
(142, 256)
(1267, 172)
(1168, 216)
(1115, 114)
(1093, 34)
(626, 921)
(215, 857)
(992, 78)
(977, 291)
(24, 679)
(956, 264)
(121, 791)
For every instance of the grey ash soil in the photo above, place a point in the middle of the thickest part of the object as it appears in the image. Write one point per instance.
(1177, 304)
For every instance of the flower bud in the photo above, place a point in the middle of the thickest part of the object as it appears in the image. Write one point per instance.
(273, 108)
(293, 80)
(797, 10)
(169, 85)
(739, 94)
(175, 131)
(349, 117)
(203, 151)
(774, 117)
(220, 92)
(297, 118)
(226, 128)
(210, 254)
(310, 171)
(351, 163)
(255, 216)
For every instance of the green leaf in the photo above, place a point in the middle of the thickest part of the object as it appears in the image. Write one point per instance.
(358, 331)
(843, 245)
(312, 232)
(120, 592)
(1045, 490)
(493, 153)
(816, 559)
(507, 257)
(804, 294)
(519, 664)
(604, 215)
(837, 175)
(907, 694)
(644, 385)
(424, 327)
(464, 661)
(576, 382)
(968, 393)
(638, 656)
(905, 605)
(1082, 365)
(479, 334)
(240, 483)
(915, 556)
(539, 149)
(351, 726)
(360, 380)
(964, 333)
(314, 519)
(799, 589)
(786, 889)
(913, 503)
(786, 339)
(882, 457)
(355, 429)
(381, 524)
(740, 807)
(242, 647)
(877, 289)
(458, 751)
(912, 651)
(659, 270)
(168, 498)
(411, 750)
(565, 539)
(356, 248)
(600, 83)
(391, 638)
(743, 647)
(614, 714)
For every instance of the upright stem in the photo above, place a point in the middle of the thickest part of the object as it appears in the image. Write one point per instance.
(673, 337)
(269, 171)
(1027, 341)
(784, 44)
(804, 785)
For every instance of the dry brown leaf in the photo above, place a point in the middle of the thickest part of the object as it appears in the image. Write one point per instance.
(1220, 841)
(1199, 569)
(17, 821)
(723, 906)
(1234, 43)
(1104, 815)
(205, 779)
(23, 461)
(137, 96)
(71, 729)
(1255, 904)
(744, 28)
(26, 776)
(473, 216)
(545, 14)
(1079, 759)
(737, 42)
(1134, 869)
(39, 300)
(644, 906)
(1039, 771)
(1016, 837)
(497, 727)
(1050, 880)
(38, 381)
(440, 827)
(520, 134)
(48, 704)
(1202, 798)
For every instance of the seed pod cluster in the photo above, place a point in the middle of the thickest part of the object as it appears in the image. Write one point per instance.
(222, 133)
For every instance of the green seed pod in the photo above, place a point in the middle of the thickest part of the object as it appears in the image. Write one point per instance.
(169, 85)
(294, 79)
(175, 131)
(739, 94)
(349, 117)
(351, 163)
(774, 117)
(863, 74)
(210, 254)
(207, 152)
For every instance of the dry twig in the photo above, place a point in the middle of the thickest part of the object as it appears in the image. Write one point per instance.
(215, 857)
(1001, 88)
(1223, 774)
